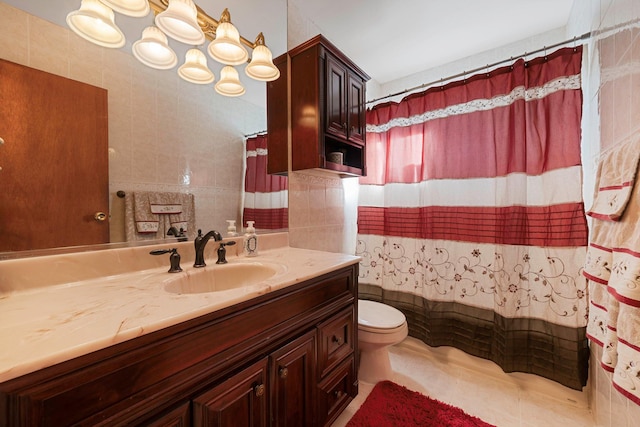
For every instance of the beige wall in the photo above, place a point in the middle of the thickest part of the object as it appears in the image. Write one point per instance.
(164, 134)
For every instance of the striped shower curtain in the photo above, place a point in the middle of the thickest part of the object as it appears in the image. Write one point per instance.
(265, 196)
(471, 219)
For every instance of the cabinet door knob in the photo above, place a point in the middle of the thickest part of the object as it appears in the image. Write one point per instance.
(336, 339)
(1, 141)
(100, 216)
(259, 390)
(338, 394)
(284, 372)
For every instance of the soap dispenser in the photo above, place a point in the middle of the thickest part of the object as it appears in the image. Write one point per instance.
(231, 229)
(250, 240)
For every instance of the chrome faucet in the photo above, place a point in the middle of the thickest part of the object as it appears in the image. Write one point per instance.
(200, 242)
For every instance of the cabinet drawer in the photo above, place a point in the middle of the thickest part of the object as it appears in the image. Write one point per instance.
(336, 337)
(336, 391)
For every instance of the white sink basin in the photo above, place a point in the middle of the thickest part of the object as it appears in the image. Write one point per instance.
(221, 277)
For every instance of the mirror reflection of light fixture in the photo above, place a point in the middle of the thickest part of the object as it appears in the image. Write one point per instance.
(95, 22)
(153, 50)
(184, 21)
(229, 84)
(261, 66)
(195, 68)
(226, 47)
(135, 8)
(180, 22)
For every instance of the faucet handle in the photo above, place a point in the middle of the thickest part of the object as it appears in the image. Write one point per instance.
(222, 252)
(174, 258)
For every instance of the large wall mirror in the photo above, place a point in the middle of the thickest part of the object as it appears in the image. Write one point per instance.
(164, 134)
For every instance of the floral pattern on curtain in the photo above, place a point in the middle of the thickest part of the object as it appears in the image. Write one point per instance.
(265, 196)
(471, 219)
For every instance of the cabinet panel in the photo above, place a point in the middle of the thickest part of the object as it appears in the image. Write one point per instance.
(336, 106)
(356, 103)
(239, 401)
(293, 383)
(336, 391)
(336, 338)
(178, 417)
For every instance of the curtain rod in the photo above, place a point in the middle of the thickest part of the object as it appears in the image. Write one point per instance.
(255, 133)
(485, 67)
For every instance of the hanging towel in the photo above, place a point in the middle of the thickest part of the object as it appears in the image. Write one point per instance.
(145, 220)
(612, 266)
(615, 177)
(150, 214)
(179, 208)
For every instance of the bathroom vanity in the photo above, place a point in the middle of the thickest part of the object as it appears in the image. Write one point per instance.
(279, 352)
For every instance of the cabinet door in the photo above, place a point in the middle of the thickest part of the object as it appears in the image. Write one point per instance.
(356, 109)
(239, 401)
(336, 101)
(294, 383)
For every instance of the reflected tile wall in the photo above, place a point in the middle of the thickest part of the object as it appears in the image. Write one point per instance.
(164, 134)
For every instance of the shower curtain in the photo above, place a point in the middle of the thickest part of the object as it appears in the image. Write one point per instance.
(471, 219)
(265, 196)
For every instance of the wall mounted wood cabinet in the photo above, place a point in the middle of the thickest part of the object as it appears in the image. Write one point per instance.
(327, 111)
(286, 358)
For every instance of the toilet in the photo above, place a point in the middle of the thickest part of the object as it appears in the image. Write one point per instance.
(379, 326)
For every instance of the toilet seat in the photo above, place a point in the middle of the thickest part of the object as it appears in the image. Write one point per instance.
(379, 318)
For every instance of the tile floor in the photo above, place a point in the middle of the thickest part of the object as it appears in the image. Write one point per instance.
(481, 388)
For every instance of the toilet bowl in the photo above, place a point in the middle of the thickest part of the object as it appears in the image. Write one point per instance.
(379, 326)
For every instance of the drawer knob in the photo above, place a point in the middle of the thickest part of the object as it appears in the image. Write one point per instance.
(284, 372)
(338, 340)
(259, 390)
(338, 394)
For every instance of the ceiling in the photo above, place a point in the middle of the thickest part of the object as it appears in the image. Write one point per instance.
(387, 39)
(393, 39)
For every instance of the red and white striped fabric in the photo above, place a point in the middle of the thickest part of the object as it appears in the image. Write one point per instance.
(613, 267)
(472, 203)
(265, 197)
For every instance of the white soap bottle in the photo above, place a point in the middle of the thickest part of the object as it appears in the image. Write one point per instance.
(250, 240)
(231, 229)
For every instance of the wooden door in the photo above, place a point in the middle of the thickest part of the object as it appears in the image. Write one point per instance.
(356, 106)
(54, 160)
(336, 84)
(293, 384)
(240, 401)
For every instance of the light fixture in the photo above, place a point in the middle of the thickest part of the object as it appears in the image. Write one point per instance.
(195, 68)
(261, 66)
(153, 50)
(180, 22)
(95, 22)
(184, 21)
(229, 84)
(226, 47)
(135, 8)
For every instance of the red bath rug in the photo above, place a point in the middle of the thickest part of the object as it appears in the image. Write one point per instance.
(390, 404)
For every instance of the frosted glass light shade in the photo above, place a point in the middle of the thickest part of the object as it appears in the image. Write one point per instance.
(153, 50)
(229, 84)
(226, 47)
(180, 22)
(135, 8)
(194, 69)
(95, 22)
(261, 66)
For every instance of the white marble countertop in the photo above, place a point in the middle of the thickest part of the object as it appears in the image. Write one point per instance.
(40, 327)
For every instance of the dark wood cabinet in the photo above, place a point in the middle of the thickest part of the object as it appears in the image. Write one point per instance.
(283, 358)
(326, 109)
(241, 400)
